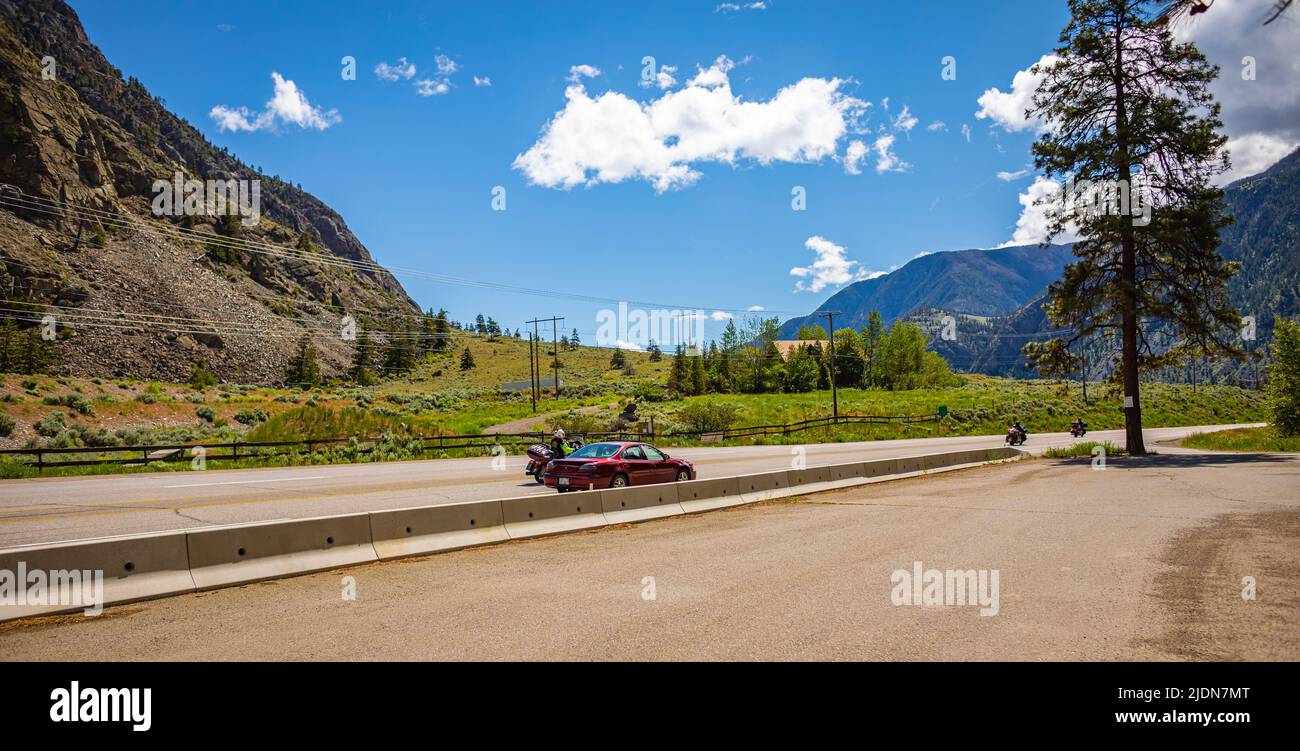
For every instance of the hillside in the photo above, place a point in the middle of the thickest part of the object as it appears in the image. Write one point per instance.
(134, 295)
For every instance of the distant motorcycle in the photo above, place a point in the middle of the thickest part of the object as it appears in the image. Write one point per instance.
(539, 455)
(1016, 437)
(1078, 431)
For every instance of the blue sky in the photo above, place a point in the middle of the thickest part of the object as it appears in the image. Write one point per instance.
(412, 175)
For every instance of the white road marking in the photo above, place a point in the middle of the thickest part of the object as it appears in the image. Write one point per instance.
(244, 482)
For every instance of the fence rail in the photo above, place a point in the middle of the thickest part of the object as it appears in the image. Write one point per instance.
(141, 455)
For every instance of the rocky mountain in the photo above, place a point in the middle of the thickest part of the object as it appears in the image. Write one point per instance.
(143, 295)
(974, 282)
(996, 296)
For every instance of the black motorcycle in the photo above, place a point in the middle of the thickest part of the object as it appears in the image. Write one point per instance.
(539, 455)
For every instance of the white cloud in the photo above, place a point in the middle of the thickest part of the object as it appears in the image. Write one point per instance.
(1010, 176)
(755, 308)
(1254, 153)
(446, 66)
(1008, 109)
(663, 79)
(937, 125)
(1031, 227)
(579, 72)
(720, 315)
(484, 81)
(830, 268)
(737, 7)
(287, 105)
(1261, 116)
(886, 159)
(965, 131)
(432, 86)
(397, 71)
(611, 138)
(853, 156)
(225, 27)
(905, 120)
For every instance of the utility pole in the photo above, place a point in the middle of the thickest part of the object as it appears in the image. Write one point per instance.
(554, 321)
(1083, 370)
(532, 371)
(835, 397)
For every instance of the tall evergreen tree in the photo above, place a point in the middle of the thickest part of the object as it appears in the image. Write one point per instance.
(304, 367)
(1125, 101)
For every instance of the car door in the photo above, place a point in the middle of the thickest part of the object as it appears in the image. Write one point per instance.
(639, 470)
(664, 470)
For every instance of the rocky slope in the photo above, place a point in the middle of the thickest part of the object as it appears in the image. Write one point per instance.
(93, 141)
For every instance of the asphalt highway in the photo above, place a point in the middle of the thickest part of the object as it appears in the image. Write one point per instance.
(44, 510)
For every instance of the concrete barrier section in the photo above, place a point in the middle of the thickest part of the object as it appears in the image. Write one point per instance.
(880, 468)
(536, 515)
(398, 533)
(697, 496)
(222, 556)
(764, 486)
(910, 464)
(640, 503)
(133, 568)
(844, 472)
(810, 475)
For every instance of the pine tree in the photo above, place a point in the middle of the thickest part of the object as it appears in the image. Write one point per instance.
(1125, 101)
(466, 359)
(656, 354)
(697, 375)
(677, 377)
(618, 359)
(304, 368)
(574, 340)
(362, 357)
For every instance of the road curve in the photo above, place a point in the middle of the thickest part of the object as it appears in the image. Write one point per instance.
(59, 509)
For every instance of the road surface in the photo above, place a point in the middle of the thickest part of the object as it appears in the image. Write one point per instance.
(74, 508)
(1142, 560)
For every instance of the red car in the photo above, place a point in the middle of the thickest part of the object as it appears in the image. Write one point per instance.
(615, 464)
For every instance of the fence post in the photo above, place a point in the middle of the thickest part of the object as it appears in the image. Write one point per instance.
(40, 461)
(234, 451)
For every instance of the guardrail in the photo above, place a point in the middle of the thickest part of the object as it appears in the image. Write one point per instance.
(239, 450)
(141, 567)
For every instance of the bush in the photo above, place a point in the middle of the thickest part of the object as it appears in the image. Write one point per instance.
(75, 402)
(707, 417)
(1284, 378)
(250, 416)
(206, 413)
(146, 399)
(7, 425)
(52, 424)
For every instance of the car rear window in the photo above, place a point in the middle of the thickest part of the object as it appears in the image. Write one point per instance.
(596, 451)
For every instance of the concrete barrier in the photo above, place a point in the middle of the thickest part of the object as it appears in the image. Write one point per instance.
(696, 496)
(811, 475)
(553, 513)
(880, 468)
(910, 464)
(222, 556)
(134, 568)
(398, 533)
(640, 503)
(764, 486)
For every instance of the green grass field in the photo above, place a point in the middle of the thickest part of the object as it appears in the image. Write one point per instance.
(439, 398)
(1243, 439)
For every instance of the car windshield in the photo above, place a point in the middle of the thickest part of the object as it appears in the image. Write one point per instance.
(596, 451)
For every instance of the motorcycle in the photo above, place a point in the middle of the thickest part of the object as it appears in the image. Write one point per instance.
(539, 455)
(1078, 431)
(1016, 437)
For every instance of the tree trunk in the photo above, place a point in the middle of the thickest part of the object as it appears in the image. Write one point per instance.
(1128, 266)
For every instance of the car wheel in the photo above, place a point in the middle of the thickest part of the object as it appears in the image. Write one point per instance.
(683, 475)
(619, 481)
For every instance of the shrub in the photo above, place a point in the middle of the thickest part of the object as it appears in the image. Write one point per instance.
(206, 413)
(7, 425)
(52, 424)
(250, 416)
(146, 398)
(707, 417)
(1284, 378)
(75, 402)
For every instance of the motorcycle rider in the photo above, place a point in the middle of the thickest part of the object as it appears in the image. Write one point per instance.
(1079, 425)
(557, 443)
(1020, 429)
